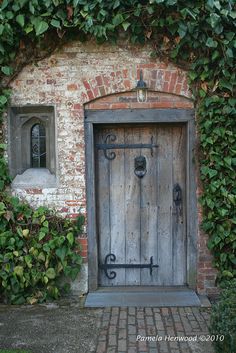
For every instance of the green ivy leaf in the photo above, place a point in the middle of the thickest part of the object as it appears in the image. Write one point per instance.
(21, 20)
(4, 4)
(126, 25)
(70, 238)
(211, 43)
(56, 23)
(7, 70)
(40, 27)
(118, 19)
(50, 273)
(226, 84)
(19, 270)
(42, 235)
(214, 19)
(61, 253)
(3, 100)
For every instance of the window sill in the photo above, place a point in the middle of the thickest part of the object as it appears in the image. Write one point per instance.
(34, 177)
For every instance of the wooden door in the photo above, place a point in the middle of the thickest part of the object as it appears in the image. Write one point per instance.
(141, 218)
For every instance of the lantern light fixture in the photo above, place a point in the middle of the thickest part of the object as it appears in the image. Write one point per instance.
(141, 89)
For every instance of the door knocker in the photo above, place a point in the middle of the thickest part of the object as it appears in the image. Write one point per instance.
(140, 166)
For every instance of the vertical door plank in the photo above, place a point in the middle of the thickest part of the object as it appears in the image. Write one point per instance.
(164, 180)
(132, 208)
(103, 204)
(117, 212)
(148, 208)
(179, 214)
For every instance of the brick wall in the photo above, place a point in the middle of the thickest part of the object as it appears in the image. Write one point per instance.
(89, 76)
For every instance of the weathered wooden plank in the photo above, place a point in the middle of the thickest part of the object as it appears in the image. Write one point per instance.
(148, 208)
(164, 137)
(179, 213)
(103, 205)
(192, 207)
(132, 208)
(91, 213)
(139, 116)
(117, 212)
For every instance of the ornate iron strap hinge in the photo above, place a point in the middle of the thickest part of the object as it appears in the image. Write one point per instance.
(108, 145)
(112, 258)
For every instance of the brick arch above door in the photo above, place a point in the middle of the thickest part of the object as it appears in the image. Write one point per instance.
(128, 100)
(164, 82)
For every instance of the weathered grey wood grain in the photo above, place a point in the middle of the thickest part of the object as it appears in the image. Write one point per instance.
(164, 205)
(179, 213)
(91, 205)
(117, 212)
(148, 208)
(138, 116)
(103, 204)
(132, 208)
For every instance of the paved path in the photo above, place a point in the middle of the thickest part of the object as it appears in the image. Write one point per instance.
(154, 330)
(68, 328)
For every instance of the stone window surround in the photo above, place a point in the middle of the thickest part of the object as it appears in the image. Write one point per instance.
(21, 119)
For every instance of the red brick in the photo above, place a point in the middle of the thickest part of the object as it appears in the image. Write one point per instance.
(86, 84)
(166, 87)
(125, 73)
(162, 105)
(183, 105)
(99, 80)
(172, 82)
(90, 95)
(83, 240)
(96, 92)
(147, 66)
(138, 105)
(64, 209)
(106, 81)
(127, 84)
(102, 91)
(178, 88)
(77, 106)
(119, 106)
(98, 106)
(118, 74)
(167, 76)
(34, 191)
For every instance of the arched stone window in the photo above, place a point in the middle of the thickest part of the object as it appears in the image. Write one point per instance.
(32, 153)
(38, 146)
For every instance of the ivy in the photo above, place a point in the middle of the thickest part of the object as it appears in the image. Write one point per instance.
(36, 249)
(197, 35)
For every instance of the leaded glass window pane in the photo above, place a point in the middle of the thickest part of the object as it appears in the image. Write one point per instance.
(38, 146)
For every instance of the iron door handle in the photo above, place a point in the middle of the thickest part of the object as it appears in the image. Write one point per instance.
(177, 195)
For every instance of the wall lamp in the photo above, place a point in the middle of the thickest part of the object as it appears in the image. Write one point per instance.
(141, 89)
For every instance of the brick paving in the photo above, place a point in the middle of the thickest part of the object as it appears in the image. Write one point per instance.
(154, 330)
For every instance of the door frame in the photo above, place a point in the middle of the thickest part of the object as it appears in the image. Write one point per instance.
(135, 116)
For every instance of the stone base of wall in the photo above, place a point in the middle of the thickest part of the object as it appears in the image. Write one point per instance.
(80, 285)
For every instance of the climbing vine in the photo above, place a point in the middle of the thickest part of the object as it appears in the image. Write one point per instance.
(198, 35)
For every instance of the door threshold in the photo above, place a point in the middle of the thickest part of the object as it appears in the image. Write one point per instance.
(142, 297)
(125, 289)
